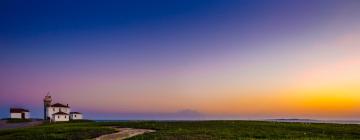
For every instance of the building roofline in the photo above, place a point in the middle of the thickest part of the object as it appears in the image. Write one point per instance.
(75, 113)
(60, 113)
(18, 110)
(60, 105)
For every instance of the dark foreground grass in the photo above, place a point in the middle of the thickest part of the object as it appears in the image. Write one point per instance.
(58, 131)
(204, 130)
(191, 130)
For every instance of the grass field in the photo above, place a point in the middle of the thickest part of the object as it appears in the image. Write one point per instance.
(190, 130)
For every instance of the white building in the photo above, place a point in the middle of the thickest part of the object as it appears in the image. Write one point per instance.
(57, 107)
(19, 113)
(76, 116)
(60, 117)
(58, 112)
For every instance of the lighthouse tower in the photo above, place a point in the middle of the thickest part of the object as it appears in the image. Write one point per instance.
(47, 103)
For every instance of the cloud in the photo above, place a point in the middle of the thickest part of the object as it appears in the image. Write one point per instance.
(187, 113)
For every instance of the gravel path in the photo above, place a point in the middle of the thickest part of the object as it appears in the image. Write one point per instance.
(124, 133)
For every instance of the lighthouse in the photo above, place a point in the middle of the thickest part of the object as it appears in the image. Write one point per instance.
(47, 103)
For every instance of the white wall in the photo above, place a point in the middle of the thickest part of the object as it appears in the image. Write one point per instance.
(27, 115)
(52, 110)
(76, 116)
(60, 118)
(15, 115)
(18, 115)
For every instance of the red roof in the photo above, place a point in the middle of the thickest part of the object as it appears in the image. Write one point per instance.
(18, 110)
(75, 113)
(60, 113)
(59, 105)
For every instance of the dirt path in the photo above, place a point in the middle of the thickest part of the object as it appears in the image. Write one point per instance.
(124, 133)
(4, 125)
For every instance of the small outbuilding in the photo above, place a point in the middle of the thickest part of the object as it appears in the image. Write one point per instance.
(19, 113)
(60, 117)
(76, 116)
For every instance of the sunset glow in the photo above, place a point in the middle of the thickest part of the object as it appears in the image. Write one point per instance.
(216, 60)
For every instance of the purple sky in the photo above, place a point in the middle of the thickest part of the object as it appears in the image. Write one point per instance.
(182, 59)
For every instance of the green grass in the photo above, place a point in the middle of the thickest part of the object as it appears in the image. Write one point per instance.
(244, 130)
(188, 130)
(58, 131)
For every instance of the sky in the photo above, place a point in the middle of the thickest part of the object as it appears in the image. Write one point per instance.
(183, 59)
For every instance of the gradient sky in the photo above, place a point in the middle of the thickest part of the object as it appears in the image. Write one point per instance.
(183, 59)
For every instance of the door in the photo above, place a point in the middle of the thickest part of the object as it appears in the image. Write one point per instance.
(22, 115)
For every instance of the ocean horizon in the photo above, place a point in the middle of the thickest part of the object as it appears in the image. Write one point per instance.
(270, 120)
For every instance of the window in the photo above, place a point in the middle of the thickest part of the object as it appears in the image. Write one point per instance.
(75, 116)
(58, 117)
(65, 116)
(54, 109)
